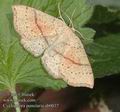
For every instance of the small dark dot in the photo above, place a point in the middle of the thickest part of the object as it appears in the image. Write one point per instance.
(26, 26)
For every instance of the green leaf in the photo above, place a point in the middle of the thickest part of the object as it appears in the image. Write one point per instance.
(103, 15)
(105, 55)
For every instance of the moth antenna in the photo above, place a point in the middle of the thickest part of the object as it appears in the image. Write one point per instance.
(60, 15)
(72, 18)
(73, 13)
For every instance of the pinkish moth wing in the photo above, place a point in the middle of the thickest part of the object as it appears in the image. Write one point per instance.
(64, 56)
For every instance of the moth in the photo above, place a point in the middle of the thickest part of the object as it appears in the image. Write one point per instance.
(61, 51)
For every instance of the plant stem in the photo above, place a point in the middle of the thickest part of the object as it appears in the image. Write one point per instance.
(15, 99)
